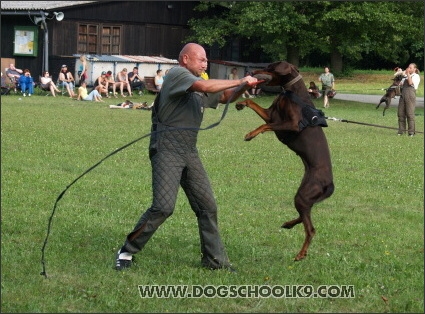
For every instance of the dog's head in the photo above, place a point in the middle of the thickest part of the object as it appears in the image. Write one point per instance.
(277, 73)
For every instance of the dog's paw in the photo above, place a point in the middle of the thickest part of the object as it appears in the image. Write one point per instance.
(239, 106)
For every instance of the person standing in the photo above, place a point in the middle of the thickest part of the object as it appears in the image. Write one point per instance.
(83, 69)
(176, 117)
(407, 101)
(328, 83)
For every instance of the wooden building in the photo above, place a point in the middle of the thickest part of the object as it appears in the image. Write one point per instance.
(43, 35)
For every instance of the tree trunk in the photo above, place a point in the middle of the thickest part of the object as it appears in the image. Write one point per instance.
(336, 62)
(293, 55)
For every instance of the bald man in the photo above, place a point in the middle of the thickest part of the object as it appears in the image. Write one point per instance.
(176, 118)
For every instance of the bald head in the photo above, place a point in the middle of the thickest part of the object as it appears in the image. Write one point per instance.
(193, 57)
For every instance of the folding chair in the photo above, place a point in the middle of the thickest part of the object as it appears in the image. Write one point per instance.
(62, 87)
(5, 89)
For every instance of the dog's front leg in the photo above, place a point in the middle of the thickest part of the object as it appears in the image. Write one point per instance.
(261, 129)
(263, 113)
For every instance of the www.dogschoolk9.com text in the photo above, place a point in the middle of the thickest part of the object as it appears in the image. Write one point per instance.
(246, 291)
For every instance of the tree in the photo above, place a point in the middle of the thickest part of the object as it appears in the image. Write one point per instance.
(345, 30)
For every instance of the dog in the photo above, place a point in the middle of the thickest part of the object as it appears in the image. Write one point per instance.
(391, 92)
(297, 124)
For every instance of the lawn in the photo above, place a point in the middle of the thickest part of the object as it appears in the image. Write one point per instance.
(370, 233)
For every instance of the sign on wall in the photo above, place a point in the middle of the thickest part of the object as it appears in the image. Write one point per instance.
(26, 41)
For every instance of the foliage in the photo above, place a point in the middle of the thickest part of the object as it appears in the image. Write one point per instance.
(392, 30)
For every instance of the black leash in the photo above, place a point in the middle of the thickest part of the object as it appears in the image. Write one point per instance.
(49, 225)
(368, 124)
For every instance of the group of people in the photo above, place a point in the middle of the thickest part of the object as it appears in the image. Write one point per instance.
(328, 87)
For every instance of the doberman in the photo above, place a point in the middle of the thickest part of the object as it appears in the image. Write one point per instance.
(391, 92)
(297, 124)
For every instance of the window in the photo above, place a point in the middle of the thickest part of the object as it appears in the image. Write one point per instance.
(99, 39)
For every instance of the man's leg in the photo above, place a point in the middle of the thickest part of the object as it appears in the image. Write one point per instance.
(196, 185)
(166, 173)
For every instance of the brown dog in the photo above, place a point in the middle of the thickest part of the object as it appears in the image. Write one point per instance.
(391, 92)
(297, 124)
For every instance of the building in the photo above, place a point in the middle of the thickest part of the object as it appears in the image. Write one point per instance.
(43, 35)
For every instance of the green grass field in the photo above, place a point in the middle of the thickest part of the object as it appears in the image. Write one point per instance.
(370, 233)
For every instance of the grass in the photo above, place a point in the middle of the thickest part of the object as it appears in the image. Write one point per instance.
(370, 233)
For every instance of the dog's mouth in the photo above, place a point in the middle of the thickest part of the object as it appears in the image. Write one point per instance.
(266, 78)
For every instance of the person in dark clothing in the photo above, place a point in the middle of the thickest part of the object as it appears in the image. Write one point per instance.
(136, 80)
(176, 117)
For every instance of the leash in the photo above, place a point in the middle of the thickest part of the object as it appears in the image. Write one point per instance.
(368, 124)
(50, 221)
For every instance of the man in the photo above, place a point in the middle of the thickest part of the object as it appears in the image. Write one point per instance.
(135, 80)
(328, 83)
(176, 118)
(14, 74)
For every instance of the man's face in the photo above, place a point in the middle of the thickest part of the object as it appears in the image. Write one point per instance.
(196, 63)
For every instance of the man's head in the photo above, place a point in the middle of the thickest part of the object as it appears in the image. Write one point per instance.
(12, 66)
(193, 57)
(135, 69)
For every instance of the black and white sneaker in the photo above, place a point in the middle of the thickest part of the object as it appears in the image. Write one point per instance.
(123, 260)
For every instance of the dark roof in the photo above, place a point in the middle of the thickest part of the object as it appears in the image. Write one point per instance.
(39, 5)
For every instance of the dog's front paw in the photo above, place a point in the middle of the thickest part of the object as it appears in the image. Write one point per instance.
(248, 137)
(239, 106)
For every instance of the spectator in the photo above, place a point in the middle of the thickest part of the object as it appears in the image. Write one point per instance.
(246, 94)
(175, 160)
(313, 90)
(83, 69)
(46, 83)
(407, 102)
(101, 84)
(113, 84)
(135, 80)
(66, 79)
(328, 84)
(14, 74)
(27, 83)
(158, 79)
(234, 74)
(123, 78)
(84, 95)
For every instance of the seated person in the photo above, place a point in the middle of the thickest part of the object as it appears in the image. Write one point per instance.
(135, 80)
(27, 83)
(101, 84)
(313, 90)
(123, 78)
(84, 95)
(159, 79)
(46, 83)
(5, 89)
(112, 84)
(14, 74)
(67, 80)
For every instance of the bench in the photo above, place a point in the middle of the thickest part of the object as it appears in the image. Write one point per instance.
(150, 84)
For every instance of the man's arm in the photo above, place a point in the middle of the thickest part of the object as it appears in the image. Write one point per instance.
(227, 86)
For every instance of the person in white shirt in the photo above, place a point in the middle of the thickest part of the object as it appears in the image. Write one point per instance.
(407, 102)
